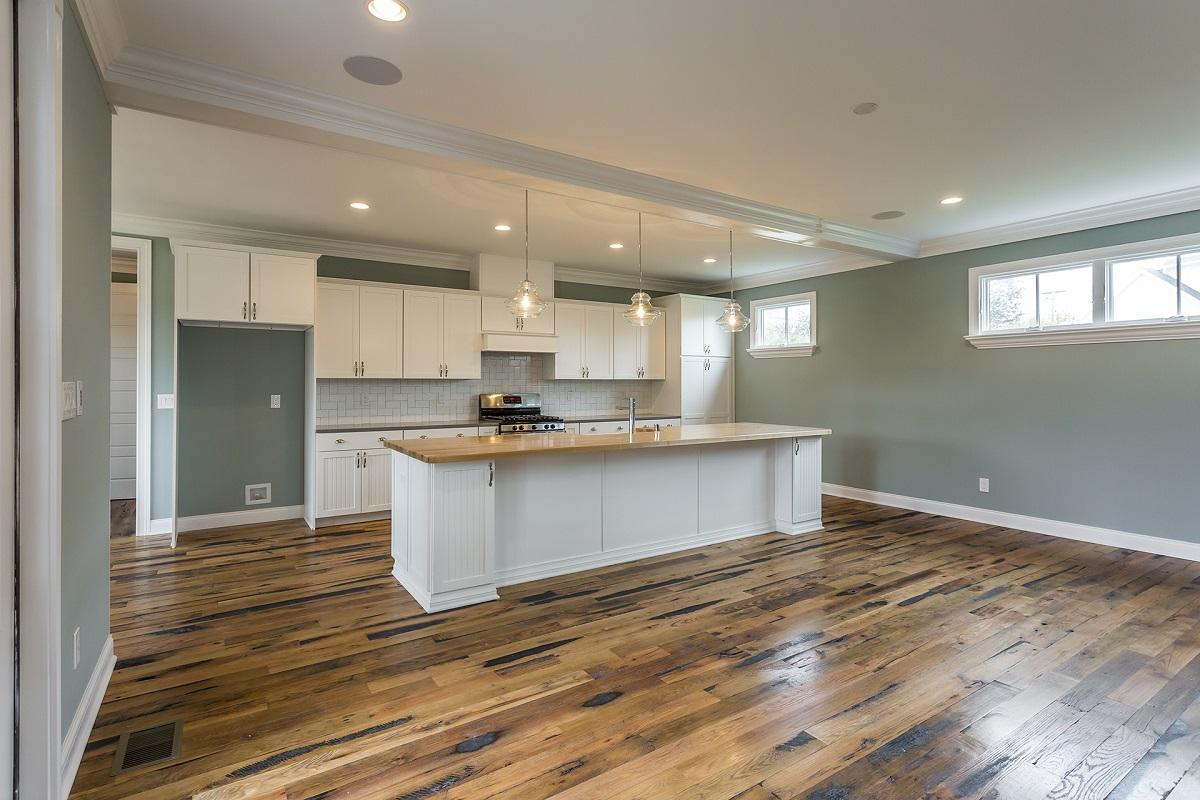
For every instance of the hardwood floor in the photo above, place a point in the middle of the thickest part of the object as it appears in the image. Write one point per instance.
(894, 655)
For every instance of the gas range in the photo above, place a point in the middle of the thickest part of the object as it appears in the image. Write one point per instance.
(518, 413)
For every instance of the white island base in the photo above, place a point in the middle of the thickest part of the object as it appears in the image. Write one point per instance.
(462, 528)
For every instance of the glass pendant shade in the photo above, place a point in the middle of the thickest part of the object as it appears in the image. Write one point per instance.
(732, 319)
(526, 304)
(640, 312)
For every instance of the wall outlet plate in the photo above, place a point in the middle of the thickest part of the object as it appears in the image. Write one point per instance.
(274, 401)
(985, 485)
(258, 494)
(166, 401)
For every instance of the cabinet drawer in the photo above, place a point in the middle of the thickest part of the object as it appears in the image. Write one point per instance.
(587, 428)
(442, 433)
(487, 430)
(356, 440)
(662, 423)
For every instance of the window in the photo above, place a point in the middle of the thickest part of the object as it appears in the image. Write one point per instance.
(783, 326)
(1139, 291)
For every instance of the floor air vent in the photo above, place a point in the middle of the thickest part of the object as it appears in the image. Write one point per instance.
(145, 747)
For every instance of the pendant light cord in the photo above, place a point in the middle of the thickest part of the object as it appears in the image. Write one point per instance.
(526, 234)
(639, 251)
(731, 264)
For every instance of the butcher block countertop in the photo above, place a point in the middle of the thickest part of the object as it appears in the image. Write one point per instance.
(477, 448)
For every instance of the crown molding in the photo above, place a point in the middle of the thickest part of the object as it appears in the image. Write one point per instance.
(164, 74)
(1155, 205)
(596, 278)
(104, 30)
(829, 266)
(269, 240)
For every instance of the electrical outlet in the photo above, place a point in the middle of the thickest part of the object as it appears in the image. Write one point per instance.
(166, 401)
(274, 401)
(985, 485)
(69, 398)
(75, 641)
(258, 494)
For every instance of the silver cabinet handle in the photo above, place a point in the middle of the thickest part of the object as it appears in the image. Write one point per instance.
(358, 460)
(491, 472)
(339, 441)
(244, 310)
(620, 427)
(460, 435)
(382, 439)
(363, 366)
(424, 436)
(797, 450)
(593, 429)
(254, 310)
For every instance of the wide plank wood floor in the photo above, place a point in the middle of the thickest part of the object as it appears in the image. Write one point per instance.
(893, 655)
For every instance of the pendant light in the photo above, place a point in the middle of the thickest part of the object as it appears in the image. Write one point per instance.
(732, 319)
(640, 312)
(526, 304)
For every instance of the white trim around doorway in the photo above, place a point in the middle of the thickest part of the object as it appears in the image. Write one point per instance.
(142, 247)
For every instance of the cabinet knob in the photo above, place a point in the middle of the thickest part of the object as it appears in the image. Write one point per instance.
(461, 435)
(593, 429)
(382, 439)
(424, 436)
(339, 441)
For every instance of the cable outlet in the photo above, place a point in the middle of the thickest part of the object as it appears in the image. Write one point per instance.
(258, 494)
(75, 644)
(985, 485)
(274, 401)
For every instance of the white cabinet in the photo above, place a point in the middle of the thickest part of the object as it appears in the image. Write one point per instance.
(441, 433)
(706, 390)
(497, 318)
(700, 333)
(359, 331)
(442, 337)
(339, 482)
(354, 473)
(568, 361)
(376, 480)
(595, 428)
(233, 286)
(639, 353)
(585, 342)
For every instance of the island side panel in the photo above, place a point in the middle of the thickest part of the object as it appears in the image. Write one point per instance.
(737, 490)
(798, 485)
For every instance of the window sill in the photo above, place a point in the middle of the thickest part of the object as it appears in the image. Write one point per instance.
(1154, 331)
(781, 352)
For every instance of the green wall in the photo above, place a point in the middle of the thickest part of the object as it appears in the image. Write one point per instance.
(229, 436)
(86, 268)
(358, 269)
(1099, 434)
(566, 290)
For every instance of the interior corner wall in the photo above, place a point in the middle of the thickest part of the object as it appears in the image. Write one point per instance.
(86, 267)
(1097, 434)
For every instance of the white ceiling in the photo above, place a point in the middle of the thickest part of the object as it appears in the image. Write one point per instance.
(1026, 108)
(182, 170)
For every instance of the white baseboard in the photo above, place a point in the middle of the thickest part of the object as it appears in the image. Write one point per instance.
(77, 735)
(252, 516)
(1141, 542)
(159, 527)
(565, 566)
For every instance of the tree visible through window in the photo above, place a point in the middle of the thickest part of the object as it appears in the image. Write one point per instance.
(788, 325)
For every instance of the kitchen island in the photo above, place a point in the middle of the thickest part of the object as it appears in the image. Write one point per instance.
(473, 514)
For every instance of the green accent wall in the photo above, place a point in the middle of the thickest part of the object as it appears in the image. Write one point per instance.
(566, 290)
(1098, 434)
(86, 276)
(358, 269)
(229, 436)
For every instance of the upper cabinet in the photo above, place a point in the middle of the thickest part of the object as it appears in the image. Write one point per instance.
(700, 335)
(639, 353)
(442, 335)
(214, 285)
(359, 331)
(585, 341)
(497, 318)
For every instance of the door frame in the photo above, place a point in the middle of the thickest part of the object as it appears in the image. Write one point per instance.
(8, 416)
(143, 248)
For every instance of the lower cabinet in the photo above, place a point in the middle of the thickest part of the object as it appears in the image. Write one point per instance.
(354, 482)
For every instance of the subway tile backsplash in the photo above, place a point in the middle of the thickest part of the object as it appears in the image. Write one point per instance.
(416, 402)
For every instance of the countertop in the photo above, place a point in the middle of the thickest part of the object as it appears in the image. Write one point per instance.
(441, 451)
(470, 423)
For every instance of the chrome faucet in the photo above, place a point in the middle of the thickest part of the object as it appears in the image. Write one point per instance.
(632, 415)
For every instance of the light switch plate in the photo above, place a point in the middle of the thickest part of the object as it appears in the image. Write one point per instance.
(68, 400)
(274, 401)
(985, 485)
(166, 401)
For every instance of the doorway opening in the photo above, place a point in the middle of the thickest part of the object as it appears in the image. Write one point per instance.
(129, 388)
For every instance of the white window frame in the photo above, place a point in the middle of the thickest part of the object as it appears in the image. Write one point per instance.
(1101, 329)
(796, 351)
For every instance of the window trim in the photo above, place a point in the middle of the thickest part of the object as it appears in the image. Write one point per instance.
(790, 351)
(1101, 329)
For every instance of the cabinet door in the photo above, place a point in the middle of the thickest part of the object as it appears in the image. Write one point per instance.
(627, 351)
(422, 334)
(718, 390)
(380, 332)
(376, 481)
(653, 348)
(282, 289)
(692, 324)
(336, 331)
(691, 390)
(212, 285)
(719, 340)
(598, 343)
(463, 525)
(462, 341)
(496, 316)
(338, 483)
(541, 324)
(568, 360)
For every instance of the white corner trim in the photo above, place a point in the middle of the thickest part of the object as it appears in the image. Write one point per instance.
(838, 262)
(104, 29)
(1089, 334)
(597, 278)
(1156, 205)
(781, 352)
(160, 526)
(253, 516)
(1143, 543)
(249, 237)
(168, 75)
(85, 717)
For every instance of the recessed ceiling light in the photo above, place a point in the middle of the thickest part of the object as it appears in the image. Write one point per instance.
(952, 200)
(359, 205)
(862, 109)
(710, 261)
(372, 70)
(387, 10)
(616, 245)
(502, 227)
(888, 215)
